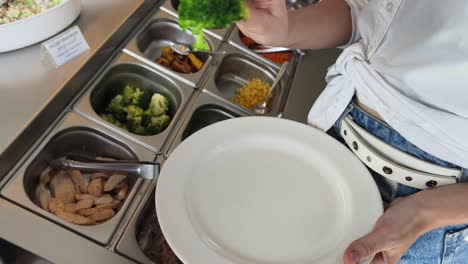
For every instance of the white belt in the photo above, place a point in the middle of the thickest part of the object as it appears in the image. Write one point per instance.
(392, 163)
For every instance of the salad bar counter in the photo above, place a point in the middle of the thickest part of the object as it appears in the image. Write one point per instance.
(128, 98)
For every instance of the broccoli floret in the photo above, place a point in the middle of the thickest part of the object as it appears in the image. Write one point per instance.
(137, 95)
(117, 108)
(134, 125)
(128, 94)
(158, 124)
(134, 111)
(143, 100)
(140, 130)
(111, 119)
(159, 105)
(137, 111)
(134, 119)
(209, 14)
(146, 118)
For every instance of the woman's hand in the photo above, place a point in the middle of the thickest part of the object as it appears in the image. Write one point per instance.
(268, 22)
(326, 24)
(406, 220)
(396, 230)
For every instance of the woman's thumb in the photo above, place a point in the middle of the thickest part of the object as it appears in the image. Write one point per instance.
(363, 249)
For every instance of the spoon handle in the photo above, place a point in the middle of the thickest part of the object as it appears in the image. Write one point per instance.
(271, 50)
(212, 52)
(278, 78)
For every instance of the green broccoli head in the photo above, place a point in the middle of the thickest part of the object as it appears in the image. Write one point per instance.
(146, 117)
(134, 125)
(143, 100)
(209, 14)
(117, 108)
(159, 105)
(134, 111)
(137, 111)
(128, 94)
(135, 119)
(137, 95)
(158, 124)
(111, 119)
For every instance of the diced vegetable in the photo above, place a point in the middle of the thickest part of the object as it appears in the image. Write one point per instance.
(180, 63)
(253, 93)
(196, 63)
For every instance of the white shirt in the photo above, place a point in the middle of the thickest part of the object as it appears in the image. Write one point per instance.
(408, 61)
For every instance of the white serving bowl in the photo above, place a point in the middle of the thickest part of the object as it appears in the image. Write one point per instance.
(29, 31)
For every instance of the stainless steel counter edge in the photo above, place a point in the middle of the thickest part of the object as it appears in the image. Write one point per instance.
(76, 250)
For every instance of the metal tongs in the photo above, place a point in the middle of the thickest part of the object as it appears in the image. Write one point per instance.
(141, 169)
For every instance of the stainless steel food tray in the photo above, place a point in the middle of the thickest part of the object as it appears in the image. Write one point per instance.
(127, 69)
(235, 40)
(205, 111)
(20, 188)
(236, 68)
(128, 244)
(162, 30)
(220, 34)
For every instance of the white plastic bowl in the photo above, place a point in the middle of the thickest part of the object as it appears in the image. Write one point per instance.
(29, 31)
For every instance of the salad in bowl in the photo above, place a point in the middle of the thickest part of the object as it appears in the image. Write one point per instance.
(14, 10)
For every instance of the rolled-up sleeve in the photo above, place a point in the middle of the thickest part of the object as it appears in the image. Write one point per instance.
(356, 7)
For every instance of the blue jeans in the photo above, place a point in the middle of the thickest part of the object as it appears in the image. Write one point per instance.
(447, 245)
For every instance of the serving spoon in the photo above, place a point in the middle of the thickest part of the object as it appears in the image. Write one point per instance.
(262, 108)
(184, 50)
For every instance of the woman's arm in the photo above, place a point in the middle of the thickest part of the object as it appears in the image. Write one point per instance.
(445, 206)
(327, 24)
(409, 218)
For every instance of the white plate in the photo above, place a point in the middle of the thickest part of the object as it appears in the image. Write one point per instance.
(29, 31)
(264, 190)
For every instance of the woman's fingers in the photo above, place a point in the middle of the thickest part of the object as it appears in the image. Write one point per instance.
(386, 258)
(261, 4)
(364, 248)
(274, 7)
(378, 259)
(267, 23)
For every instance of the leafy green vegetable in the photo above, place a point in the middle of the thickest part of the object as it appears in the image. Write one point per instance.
(130, 94)
(137, 95)
(111, 119)
(143, 100)
(158, 124)
(159, 105)
(117, 108)
(197, 15)
(134, 111)
(146, 118)
(138, 111)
